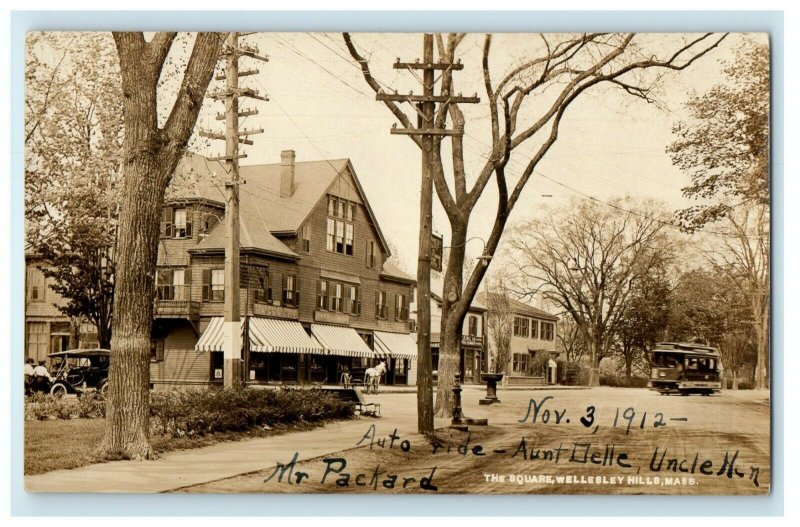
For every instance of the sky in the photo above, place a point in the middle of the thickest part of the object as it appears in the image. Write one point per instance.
(610, 144)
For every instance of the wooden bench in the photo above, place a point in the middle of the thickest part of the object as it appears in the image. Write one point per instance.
(354, 397)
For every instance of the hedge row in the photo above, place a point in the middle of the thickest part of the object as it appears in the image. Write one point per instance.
(41, 407)
(201, 412)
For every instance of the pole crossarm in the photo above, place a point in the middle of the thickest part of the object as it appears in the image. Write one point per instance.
(227, 158)
(222, 137)
(427, 65)
(247, 112)
(237, 92)
(445, 99)
(426, 131)
(242, 73)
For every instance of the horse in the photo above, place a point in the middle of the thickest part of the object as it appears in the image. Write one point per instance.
(372, 377)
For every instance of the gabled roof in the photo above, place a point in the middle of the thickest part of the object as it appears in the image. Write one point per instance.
(391, 271)
(519, 308)
(475, 305)
(263, 212)
(250, 239)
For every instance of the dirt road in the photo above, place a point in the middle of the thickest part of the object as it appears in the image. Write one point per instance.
(603, 440)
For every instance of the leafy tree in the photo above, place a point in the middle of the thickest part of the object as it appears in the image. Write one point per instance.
(587, 258)
(526, 103)
(151, 150)
(73, 144)
(724, 144)
(645, 316)
(737, 347)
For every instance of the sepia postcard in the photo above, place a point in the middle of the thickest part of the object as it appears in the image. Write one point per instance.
(397, 263)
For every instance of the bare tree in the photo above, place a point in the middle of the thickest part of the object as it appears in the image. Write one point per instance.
(499, 323)
(735, 348)
(587, 257)
(526, 108)
(570, 339)
(742, 251)
(150, 155)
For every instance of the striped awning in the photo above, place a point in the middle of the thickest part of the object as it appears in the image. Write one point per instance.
(338, 340)
(395, 345)
(213, 338)
(271, 335)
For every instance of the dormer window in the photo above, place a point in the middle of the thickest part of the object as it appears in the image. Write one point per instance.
(176, 223)
(340, 229)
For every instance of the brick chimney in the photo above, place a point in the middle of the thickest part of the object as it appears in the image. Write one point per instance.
(287, 173)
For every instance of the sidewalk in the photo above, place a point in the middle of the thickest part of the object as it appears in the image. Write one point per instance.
(174, 470)
(223, 460)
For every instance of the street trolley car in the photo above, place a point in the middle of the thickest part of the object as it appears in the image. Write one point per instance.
(685, 369)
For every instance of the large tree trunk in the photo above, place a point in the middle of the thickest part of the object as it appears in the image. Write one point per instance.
(762, 349)
(127, 415)
(452, 318)
(150, 155)
(628, 365)
(449, 364)
(596, 350)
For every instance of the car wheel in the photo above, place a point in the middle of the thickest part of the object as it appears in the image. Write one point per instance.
(103, 389)
(58, 390)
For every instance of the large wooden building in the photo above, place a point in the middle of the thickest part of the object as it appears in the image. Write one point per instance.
(318, 294)
(533, 341)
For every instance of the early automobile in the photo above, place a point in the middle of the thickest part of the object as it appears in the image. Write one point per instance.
(677, 367)
(80, 371)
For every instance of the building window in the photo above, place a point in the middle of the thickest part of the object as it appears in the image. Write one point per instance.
(172, 284)
(214, 285)
(380, 304)
(38, 340)
(36, 285)
(535, 329)
(322, 294)
(412, 326)
(305, 238)
(547, 330)
(176, 223)
(291, 293)
(472, 326)
(340, 229)
(336, 297)
(263, 293)
(522, 362)
(401, 307)
(371, 255)
(521, 327)
(355, 300)
(156, 350)
(218, 284)
(330, 234)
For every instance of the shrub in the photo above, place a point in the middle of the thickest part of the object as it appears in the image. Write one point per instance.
(193, 413)
(573, 373)
(41, 407)
(744, 384)
(623, 382)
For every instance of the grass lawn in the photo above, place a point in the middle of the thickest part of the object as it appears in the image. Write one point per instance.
(69, 443)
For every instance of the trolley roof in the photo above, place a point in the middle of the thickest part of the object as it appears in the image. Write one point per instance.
(685, 347)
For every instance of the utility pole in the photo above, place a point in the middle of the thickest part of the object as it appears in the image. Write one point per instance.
(425, 106)
(232, 369)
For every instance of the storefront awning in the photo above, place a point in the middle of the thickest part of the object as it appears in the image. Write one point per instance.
(213, 338)
(271, 335)
(338, 340)
(395, 345)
